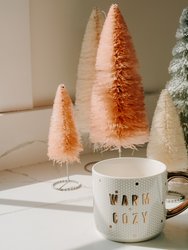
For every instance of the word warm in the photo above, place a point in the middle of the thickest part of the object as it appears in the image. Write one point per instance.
(133, 200)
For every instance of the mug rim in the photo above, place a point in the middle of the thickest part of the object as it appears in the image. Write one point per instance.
(96, 168)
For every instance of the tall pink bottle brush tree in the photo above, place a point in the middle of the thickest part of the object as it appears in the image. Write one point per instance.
(118, 115)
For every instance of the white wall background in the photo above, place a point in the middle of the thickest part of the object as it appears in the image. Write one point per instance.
(15, 56)
(41, 40)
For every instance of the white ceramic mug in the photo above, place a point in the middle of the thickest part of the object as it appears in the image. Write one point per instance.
(129, 198)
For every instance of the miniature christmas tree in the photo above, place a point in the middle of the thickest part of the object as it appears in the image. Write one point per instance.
(86, 68)
(166, 142)
(178, 69)
(63, 142)
(118, 116)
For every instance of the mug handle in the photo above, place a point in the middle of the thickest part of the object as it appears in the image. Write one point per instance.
(184, 205)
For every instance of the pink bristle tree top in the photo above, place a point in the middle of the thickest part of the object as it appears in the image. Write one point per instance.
(118, 115)
(63, 142)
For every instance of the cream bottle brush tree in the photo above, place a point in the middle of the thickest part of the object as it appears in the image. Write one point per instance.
(64, 144)
(178, 69)
(86, 68)
(166, 141)
(118, 115)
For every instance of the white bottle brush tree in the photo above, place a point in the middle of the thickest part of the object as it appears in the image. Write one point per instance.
(178, 69)
(118, 115)
(86, 69)
(166, 141)
(64, 144)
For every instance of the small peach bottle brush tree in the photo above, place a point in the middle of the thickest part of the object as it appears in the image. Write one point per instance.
(64, 144)
(86, 69)
(118, 115)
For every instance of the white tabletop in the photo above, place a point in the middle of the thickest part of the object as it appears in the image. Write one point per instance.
(34, 216)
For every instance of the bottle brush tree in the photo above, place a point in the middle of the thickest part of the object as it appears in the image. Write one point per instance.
(178, 69)
(166, 141)
(118, 115)
(64, 144)
(86, 68)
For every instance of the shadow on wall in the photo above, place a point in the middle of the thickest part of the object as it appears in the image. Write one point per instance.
(23, 154)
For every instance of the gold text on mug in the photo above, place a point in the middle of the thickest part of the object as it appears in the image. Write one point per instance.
(133, 218)
(134, 200)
